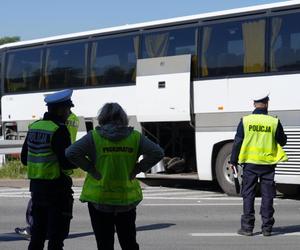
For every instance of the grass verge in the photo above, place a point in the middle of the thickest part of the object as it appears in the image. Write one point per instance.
(13, 169)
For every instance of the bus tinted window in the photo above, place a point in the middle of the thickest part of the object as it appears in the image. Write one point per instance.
(23, 70)
(65, 65)
(113, 60)
(171, 42)
(285, 43)
(233, 48)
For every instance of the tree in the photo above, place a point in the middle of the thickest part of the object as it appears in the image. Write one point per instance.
(9, 39)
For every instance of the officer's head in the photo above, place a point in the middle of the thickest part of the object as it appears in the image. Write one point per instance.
(262, 100)
(60, 103)
(112, 113)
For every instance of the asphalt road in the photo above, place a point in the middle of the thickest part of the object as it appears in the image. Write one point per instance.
(178, 215)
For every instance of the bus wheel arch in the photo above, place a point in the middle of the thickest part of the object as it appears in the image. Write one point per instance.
(222, 172)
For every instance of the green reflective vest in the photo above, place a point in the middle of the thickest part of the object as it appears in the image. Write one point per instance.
(72, 124)
(41, 160)
(259, 145)
(115, 161)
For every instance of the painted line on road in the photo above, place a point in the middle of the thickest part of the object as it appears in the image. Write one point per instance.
(238, 235)
(192, 204)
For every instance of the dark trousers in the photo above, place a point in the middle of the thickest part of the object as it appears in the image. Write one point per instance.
(251, 174)
(105, 224)
(51, 218)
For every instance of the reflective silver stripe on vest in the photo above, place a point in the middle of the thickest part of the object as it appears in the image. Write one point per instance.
(38, 151)
(45, 145)
(41, 159)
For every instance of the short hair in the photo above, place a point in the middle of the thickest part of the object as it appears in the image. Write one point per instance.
(112, 113)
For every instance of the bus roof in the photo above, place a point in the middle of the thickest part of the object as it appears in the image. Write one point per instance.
(170, 21)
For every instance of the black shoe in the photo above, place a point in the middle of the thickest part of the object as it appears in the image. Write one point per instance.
(245, 232)
(266, 232)
(23, 232)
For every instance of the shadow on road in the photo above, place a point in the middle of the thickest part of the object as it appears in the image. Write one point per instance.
(286, 230)
(78, 235)
(154, 226)
(11, 237)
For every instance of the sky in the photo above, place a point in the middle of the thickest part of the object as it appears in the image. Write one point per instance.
(31, 19)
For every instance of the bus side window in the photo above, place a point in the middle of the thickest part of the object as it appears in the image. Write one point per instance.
(285, 43)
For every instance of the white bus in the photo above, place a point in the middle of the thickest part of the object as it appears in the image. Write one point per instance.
(185, 82)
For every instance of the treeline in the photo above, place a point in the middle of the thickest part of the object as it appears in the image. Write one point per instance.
(9, 39)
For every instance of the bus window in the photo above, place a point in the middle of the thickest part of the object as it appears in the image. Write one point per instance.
(113, 60)
(171, 42)
(285, 43)
(233, 48)
(65, 65)
(23, 70)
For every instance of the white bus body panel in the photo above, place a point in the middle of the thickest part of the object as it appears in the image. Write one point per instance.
(205, 142)
(87, 103)
(163, 89)
(236, 94)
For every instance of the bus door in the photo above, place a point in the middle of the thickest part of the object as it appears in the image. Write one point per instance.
(163, 89)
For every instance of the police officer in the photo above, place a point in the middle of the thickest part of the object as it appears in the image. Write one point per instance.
(110, 154)
(44, 153)
(257, 146)
(72, 124)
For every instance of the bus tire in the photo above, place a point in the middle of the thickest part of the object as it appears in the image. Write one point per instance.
(224, 172)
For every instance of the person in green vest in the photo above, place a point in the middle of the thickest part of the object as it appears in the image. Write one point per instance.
(258, 148)
(44, 154)
(110, 155)
(72, 124)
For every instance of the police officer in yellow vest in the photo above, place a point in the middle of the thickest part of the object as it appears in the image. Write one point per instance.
(257, 147)
(44, 154)
(110, 155)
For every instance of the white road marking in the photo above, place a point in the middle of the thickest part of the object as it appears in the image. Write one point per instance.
(236, 234)
(193, 204)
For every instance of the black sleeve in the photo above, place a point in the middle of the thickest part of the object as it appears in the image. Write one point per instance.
(280, 136)
(60, 141)
(238, 141)
(24, 152)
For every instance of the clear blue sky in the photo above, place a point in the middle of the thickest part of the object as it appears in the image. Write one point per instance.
(32, 19)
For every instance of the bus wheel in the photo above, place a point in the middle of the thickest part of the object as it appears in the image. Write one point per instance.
(224, 172)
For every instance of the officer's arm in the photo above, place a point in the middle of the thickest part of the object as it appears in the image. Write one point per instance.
(24, 152)
(60, 141)
(238, 141)
(280, 136)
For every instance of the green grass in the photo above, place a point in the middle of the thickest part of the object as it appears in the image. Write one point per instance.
(13, 169)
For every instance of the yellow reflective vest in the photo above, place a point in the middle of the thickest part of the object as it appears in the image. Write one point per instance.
(115, 161)
(41, 160)
(259, 145)
(72, 124)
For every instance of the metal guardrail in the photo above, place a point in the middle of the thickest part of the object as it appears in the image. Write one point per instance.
(11, 146)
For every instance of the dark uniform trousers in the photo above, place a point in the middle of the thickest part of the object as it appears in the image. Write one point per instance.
(251, 174)
(51, 219)
(105, 223)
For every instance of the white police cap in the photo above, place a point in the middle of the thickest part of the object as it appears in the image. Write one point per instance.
(261, 96)
(60, 98)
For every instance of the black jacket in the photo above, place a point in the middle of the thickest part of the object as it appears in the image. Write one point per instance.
(60, 141)
(280, 137)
